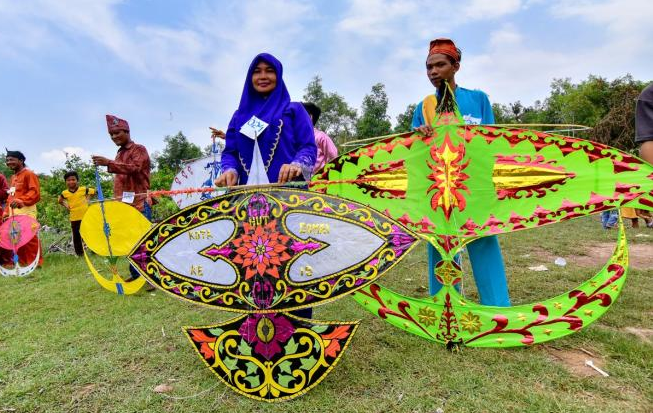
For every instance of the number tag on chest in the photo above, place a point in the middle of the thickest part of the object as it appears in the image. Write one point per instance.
(253, 127)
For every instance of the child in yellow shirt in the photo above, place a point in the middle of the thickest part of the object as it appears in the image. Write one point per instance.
(75, 199)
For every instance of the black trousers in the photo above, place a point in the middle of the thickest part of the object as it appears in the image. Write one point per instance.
(77, 238)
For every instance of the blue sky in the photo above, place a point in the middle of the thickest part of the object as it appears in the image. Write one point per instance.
(169, 65)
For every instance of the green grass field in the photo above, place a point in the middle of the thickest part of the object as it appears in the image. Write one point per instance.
(66, 345)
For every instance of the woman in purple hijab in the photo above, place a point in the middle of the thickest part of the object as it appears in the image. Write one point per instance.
(269, 138)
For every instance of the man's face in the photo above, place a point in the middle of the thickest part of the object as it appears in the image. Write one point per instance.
(439, 67)
(71, 183)
(120, 138)
(264, 78)
(14, 164)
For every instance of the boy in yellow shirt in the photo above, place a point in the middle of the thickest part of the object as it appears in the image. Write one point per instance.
(75, 199)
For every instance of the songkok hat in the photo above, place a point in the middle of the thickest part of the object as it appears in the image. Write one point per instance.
(15, 154)
(115, 124)
(446, 47)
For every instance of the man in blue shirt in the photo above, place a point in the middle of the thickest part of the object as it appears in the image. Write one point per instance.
(442, 64)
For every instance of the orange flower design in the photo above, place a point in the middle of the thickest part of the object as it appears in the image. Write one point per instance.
(261, 249)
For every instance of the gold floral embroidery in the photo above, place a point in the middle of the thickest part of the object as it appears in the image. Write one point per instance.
(470, 322)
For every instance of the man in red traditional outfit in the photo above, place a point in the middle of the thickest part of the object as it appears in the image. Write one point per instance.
(132, 172)
(24, 193)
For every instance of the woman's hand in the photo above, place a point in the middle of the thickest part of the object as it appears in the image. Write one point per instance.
(288, 172)
(425, 130)
(229, 178)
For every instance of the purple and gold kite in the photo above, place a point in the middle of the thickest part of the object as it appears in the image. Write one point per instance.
(265, 252)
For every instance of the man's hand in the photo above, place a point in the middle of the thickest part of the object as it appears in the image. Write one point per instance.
(17, 203)
(646, 151)
(100, 160)
(217, 133)
(425, 130)
(229, 178)
(288, 172)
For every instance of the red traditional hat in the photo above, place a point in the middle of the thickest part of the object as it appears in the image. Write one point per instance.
(115, 124)
(446, 47)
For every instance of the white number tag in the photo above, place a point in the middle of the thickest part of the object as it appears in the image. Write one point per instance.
(128, 197)
(253, 127)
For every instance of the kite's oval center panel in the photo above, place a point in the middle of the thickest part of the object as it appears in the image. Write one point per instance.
(208, 245)
(337, 246)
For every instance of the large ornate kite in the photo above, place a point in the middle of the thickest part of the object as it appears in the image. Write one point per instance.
(464, 182)
(265, 252)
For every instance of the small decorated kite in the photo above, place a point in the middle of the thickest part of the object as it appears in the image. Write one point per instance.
(198, 173)
(464, 182)
(15, 232)
(265, 252)
(110, 229)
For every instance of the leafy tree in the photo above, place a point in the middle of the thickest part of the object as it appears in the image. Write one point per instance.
(405, 120)
(608, 107)
(517, 113)
(374, 119)
(178, 148)
(338, 119)
(4, 169)
(50, 212)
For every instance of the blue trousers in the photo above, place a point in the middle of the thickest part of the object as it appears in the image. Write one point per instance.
(609, 218)
(487, 267)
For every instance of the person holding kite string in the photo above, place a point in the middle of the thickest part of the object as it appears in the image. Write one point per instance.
(24, 193)
(442, 64)
(269, 138)
(132, 172)
(131, 167)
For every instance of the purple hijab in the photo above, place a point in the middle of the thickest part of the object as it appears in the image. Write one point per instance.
(288, 138)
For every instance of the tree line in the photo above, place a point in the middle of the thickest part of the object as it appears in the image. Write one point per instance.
(607, 107)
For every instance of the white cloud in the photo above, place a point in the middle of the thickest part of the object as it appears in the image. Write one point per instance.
(56, 158)
(506, 36)
(491, 9)
(373, 18)
(203, 57)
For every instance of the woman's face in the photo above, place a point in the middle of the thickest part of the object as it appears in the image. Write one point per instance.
(264, 78)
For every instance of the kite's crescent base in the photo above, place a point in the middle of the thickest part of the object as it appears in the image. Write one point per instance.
(448, 317)
(117, 284)
(271, 357)
(19, 271)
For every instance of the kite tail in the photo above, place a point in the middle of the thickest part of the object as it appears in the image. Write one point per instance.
(446, 100)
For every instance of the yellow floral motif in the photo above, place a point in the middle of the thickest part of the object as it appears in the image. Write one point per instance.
(447, 273)
(470, 322)
(426, 316)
